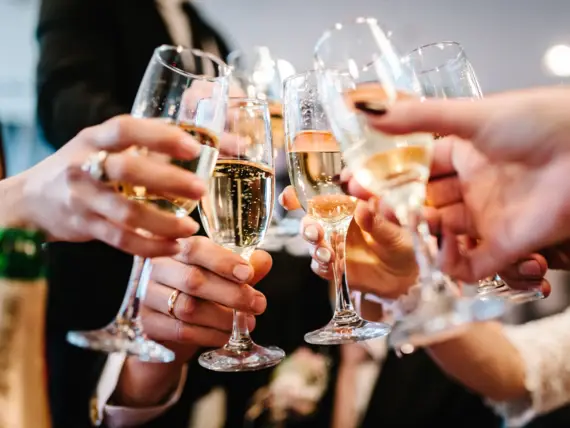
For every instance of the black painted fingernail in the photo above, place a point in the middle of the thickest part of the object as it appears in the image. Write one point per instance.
(342, 184)
(374, 108)
(439, 241)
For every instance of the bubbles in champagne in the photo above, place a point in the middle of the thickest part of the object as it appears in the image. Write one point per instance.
(237, 208)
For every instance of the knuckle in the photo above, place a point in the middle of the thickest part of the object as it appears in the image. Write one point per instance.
(123, 168)
(189, 306)
(119, 127)
(118, 238)
(127, 211)
(193, 279)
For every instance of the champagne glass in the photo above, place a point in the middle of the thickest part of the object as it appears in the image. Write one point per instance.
(444, 71)
(170, 90)
(360, 70)
(236, 213)
(315, 163)
(261, 75)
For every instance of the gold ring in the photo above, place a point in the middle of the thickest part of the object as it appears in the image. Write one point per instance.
(172, 302)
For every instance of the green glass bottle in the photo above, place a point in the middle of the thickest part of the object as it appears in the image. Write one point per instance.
(23, 292)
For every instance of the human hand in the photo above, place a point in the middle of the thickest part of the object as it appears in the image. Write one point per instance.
(379, 254)
(66, 202)
(492, 181)
(212, 281)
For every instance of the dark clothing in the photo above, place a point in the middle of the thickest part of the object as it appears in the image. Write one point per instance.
(93, 55)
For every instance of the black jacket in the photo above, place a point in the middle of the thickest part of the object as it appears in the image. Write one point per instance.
(93, 54)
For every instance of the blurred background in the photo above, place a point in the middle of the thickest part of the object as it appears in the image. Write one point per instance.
(511, 44)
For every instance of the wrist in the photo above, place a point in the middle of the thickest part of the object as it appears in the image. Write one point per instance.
(14, 209)
(146, 384)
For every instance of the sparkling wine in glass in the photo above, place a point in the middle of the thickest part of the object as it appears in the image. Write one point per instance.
(361, 72)
(175, 82)
(444, 71)
(315, 163)
(236, 213)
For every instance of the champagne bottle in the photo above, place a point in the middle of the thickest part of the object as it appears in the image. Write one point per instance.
(23, 289)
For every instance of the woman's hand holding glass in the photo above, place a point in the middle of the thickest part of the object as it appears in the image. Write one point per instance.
(380, 255)
(210, 282)
(61, 198)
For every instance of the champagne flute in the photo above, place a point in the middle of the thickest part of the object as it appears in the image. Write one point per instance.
(315, 163)
(261, 75)
(236, 213)
(444, 71)
(170, 90)
(360, 70)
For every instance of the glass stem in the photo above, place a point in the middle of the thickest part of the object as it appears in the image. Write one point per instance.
(128, 320)
(335, 234)
(240, 340)
(431, 278)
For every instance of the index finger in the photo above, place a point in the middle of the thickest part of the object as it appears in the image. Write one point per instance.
(463, 118)
(203, 252)
(123, 132)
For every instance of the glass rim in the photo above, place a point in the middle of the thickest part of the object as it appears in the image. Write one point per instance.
(295, 76)
(257, 102)
(338, 27)
(224, 69)
(417, 52)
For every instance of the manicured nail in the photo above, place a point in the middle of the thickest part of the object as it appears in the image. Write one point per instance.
(242, 272)
(311, 233)
(280, 199)
(375, 108)
(192, 146)
(323, 255)
(530, 268)
(190, 225)
(259, 303)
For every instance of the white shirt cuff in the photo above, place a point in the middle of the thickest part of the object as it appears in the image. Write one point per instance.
(118, 416)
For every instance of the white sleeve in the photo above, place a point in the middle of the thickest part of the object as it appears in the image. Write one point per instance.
(119, 417)
(544, 346)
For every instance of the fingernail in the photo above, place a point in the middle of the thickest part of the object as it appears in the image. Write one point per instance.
(345, 175)
(259, 303)
(280, 199)
(198, 186)
(323, 255)
(311, 233)
(242, 272)
(192, 146)
(375, 108)
(530, 268)
(190, 225)
(373, 204)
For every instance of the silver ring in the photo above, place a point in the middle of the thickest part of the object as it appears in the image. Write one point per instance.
(95, 166)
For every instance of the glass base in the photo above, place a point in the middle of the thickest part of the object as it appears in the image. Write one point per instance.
(113, 339)
(254, 358)
(339, 333)
(499, 288)
(437, 321)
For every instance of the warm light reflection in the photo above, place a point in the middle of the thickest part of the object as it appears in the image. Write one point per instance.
(557, 60)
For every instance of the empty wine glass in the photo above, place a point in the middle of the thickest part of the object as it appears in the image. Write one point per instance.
(236, 212)
(444, 71)
(170, 90)
(361, 71)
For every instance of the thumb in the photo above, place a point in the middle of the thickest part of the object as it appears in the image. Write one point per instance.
(261, 262)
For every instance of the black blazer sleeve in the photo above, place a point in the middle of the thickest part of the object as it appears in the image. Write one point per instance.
(74, 81)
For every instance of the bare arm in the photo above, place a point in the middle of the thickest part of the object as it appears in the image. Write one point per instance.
(484, 360)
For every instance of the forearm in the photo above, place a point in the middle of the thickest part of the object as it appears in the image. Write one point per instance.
(484, 360)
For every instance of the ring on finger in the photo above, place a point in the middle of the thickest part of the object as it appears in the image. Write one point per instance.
(172, 302)
(95, 166)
